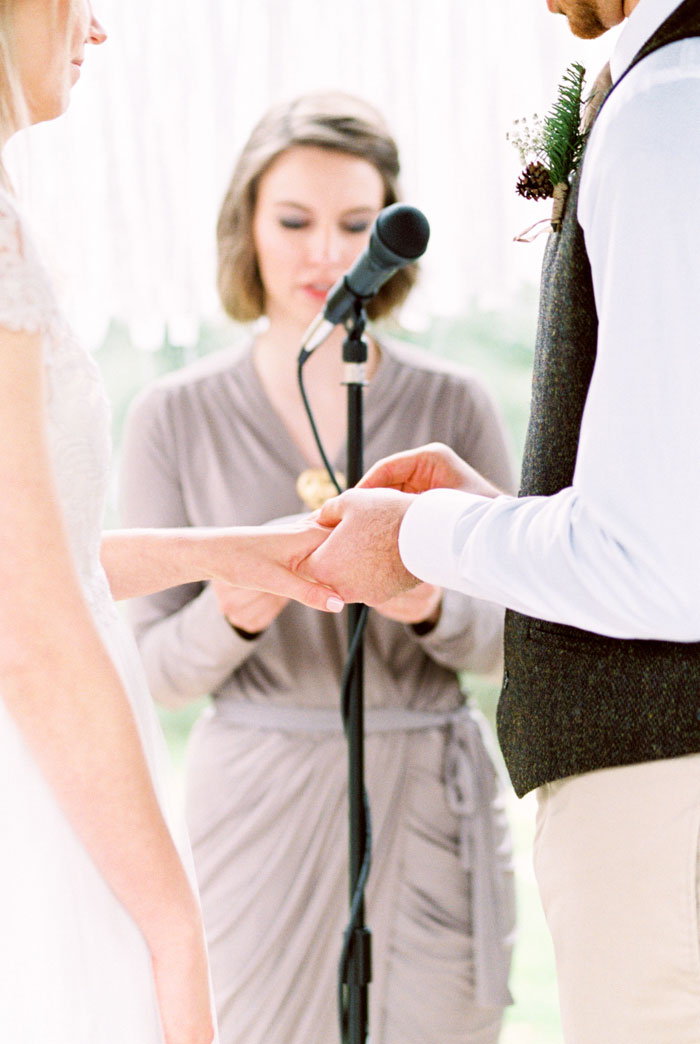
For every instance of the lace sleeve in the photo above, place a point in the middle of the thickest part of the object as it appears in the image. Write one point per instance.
(26, 297)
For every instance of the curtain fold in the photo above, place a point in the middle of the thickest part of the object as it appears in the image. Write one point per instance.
(126, 186)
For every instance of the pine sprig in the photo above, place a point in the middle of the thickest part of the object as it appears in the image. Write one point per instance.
(555, 146)
(562, 141)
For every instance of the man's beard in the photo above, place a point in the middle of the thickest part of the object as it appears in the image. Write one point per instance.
(584, 20)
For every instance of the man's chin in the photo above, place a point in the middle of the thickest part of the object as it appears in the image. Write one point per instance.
(587, 33)
(586, 24)
(583, 17)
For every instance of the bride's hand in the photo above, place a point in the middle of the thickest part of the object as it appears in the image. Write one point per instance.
(266, 558)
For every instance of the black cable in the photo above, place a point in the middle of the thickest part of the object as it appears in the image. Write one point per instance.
(359, 892)
(350, 662)
(303, 356)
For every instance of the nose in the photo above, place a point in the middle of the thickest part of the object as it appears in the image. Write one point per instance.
(326, 245)
(96, 32)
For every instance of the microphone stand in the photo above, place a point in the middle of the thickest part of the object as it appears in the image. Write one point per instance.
(359, 965)
(399, 237)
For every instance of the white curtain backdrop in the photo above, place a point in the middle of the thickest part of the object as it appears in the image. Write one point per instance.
(126, 187)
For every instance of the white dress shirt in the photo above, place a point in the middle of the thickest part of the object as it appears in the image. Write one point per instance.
(617, 552)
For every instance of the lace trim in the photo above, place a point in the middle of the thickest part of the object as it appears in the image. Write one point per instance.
(27, 301)
(98, 596)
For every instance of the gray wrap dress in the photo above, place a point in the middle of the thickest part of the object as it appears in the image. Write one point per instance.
(266, 782)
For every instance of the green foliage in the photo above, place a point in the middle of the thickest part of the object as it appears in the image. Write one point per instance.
(556, 141)
(562, 141)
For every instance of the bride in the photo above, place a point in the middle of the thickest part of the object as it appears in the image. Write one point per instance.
(101, 933)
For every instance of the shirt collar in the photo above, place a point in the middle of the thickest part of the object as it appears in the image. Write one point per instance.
(641, 25)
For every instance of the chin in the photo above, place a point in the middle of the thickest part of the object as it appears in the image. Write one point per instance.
(588, 32)
(49, 107)
(586, 23)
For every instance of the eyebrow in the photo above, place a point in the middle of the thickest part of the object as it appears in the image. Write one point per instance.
(302, 206)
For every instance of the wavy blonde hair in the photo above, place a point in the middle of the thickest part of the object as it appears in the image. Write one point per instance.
(324, 119)
(13, 107)
(8, 76)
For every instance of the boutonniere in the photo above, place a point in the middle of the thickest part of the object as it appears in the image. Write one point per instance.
(551, 149)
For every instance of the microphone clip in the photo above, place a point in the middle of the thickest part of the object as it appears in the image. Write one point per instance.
(355, 352)
(321, 328)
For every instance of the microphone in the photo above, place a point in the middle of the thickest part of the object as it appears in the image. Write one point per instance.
(399, 237)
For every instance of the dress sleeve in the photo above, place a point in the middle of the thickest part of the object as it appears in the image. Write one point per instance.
(26, 297)
(187, 646)
(469, 633)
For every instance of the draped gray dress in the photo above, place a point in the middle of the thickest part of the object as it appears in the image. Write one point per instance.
(267, 766)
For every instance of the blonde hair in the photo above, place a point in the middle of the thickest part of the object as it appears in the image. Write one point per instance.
(13, 107)
(324, 119)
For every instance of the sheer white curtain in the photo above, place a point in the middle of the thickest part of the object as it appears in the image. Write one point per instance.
(127, 185)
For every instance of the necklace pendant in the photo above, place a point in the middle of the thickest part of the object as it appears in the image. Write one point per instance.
(314, 487)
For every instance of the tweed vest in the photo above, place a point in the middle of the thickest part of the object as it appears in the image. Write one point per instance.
(573, 701)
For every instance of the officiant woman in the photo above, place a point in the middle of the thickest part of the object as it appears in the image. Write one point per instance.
(226, 441)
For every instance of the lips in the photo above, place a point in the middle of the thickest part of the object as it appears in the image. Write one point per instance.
(317, 290)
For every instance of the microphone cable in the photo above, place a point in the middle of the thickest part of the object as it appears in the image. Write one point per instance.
(350, 663)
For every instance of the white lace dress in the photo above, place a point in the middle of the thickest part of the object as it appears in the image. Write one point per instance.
(74, 968)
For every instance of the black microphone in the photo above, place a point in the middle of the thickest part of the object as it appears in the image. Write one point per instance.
(399, 237)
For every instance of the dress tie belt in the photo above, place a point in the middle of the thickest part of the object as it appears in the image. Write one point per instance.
(473, 794)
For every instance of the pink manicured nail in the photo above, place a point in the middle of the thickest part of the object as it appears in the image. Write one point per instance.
(335, 605)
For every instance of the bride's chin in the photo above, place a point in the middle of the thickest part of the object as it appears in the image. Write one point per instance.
(50, 106)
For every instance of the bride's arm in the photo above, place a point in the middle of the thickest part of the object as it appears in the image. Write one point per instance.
(141, 561)
(64, 694)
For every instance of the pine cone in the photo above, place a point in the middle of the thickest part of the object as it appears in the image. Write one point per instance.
(535, 182)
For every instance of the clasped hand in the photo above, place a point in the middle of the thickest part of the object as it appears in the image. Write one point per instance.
(360, 557)
(349, 549)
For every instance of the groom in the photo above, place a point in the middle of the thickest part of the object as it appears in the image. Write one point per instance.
(598, 560)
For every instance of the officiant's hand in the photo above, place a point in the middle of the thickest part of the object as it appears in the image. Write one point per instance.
(420, 605)
(434, 466)
(360, 558)
(248, 611)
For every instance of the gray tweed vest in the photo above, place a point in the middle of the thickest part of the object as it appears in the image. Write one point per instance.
(573, 701)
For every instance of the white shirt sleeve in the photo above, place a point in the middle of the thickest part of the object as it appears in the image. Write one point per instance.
(615, 553)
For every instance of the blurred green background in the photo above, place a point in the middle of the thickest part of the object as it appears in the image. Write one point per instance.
(498, 345)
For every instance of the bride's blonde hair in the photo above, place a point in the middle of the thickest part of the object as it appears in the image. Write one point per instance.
(13, 109)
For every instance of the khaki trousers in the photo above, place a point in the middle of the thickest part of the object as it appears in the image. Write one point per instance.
(616, 860)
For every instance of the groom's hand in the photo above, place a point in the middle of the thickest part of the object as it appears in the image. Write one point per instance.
(434, 466)
(360, 558)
